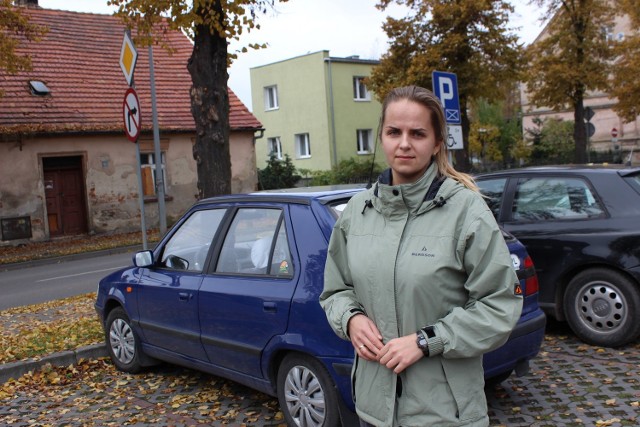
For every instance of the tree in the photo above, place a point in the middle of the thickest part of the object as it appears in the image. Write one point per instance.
(552, 141)
(496, 127)
(15, 27)
(571, 58)
(626, 84)
(466, 37)
(211, 24)
(278, 173)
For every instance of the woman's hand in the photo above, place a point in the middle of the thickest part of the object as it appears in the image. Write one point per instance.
(400, 353)
(365, 337)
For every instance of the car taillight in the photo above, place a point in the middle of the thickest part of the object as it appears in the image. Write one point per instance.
(530, 278)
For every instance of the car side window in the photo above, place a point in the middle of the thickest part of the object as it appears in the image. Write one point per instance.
(493, 190)
(187, 249)
(554, 198)
(256, 244)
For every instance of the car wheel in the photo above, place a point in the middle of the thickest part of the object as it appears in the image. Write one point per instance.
(306, 392)
(602, 307)
(123, 344)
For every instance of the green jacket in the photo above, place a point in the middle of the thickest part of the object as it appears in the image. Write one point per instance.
(409, 258)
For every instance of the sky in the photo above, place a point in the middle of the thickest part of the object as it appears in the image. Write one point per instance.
(298, 27)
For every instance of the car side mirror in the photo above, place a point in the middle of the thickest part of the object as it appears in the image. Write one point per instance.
(143, 259)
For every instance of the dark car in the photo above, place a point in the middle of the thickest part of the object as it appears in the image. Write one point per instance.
(581, 226)
(233, 288)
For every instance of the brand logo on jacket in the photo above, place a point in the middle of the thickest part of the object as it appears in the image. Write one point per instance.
(423, 252)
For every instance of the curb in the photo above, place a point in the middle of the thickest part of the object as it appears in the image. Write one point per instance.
(15, 370)
(71, 257)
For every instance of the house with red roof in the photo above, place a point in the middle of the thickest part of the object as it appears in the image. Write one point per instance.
(66, 164)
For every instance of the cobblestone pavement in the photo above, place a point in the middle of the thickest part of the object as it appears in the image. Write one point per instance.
(570, 384)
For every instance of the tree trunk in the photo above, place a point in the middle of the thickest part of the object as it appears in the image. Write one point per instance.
(579, 132)
(210, 108)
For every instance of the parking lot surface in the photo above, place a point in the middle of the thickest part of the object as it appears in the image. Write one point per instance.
(570, 384)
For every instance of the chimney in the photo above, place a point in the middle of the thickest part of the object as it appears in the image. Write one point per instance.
(27, 3)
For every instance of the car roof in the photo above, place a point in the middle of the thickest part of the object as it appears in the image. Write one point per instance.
(622, 170)
(302, 195)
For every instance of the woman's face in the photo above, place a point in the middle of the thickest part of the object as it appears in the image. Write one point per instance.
(408, 140)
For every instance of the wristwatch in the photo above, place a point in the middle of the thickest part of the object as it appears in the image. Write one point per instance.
(422, 342)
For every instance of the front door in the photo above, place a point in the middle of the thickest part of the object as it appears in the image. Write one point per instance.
(64, 192)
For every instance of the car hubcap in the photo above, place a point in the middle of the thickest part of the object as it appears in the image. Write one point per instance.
(305, 398)
(601, 306)
(122, 341)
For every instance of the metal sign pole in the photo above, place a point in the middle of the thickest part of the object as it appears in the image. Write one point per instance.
(141, 198)
(158, 154)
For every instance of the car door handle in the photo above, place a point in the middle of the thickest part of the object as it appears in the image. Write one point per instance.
(185, 296)
(270, 307)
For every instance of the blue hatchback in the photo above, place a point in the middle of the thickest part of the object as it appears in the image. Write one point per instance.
(233, 288)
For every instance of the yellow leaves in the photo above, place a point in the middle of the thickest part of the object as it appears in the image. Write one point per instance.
(601, 423)
(36, 333)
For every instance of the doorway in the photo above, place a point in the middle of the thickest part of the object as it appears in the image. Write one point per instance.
(65, 195)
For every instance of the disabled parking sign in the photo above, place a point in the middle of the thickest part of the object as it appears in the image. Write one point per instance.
(445, 87)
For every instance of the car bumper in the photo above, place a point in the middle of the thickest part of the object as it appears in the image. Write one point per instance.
(523, 345)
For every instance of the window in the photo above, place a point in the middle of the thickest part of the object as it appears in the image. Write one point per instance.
(271, 98)
(365, 141)
(493, 191)
(39, 88)
(303, 147)
(187, 249)
(275, 147)
(149, 174)
(360, 92)
(256, 244)
(554, 198)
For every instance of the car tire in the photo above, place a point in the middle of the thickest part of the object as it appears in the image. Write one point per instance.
(497, 380)
(122, 342)
(602, 307)
(306, 392)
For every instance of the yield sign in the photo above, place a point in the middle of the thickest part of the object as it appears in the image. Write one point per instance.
(131, 115)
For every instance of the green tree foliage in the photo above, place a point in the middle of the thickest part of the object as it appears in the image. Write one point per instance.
(349, 171)
(495, 131)
(210, 24)
(15, 29)
(571, 58)
(626, 70)
(466, 37)
(278, 174)
(551, 142)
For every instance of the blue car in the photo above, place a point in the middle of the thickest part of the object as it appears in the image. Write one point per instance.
(232, 290)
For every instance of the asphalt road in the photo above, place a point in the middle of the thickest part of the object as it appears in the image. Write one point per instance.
(42, 282)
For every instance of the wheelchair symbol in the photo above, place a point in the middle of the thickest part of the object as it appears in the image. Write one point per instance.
(450, 141)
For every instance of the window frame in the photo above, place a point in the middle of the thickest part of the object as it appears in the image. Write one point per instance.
(278, 144)
(151, 165)
(302, 140)
(364, 143)
(271, 98)
(358, 88)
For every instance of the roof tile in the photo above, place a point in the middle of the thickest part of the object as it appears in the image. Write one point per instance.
(79, 60)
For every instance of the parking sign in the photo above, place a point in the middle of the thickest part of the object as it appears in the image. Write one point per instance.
(445, 87)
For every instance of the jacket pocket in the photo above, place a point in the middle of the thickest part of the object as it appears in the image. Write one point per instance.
(372, 384)
(466, 381)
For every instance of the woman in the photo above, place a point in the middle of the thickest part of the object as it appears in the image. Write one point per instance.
(419, 279)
